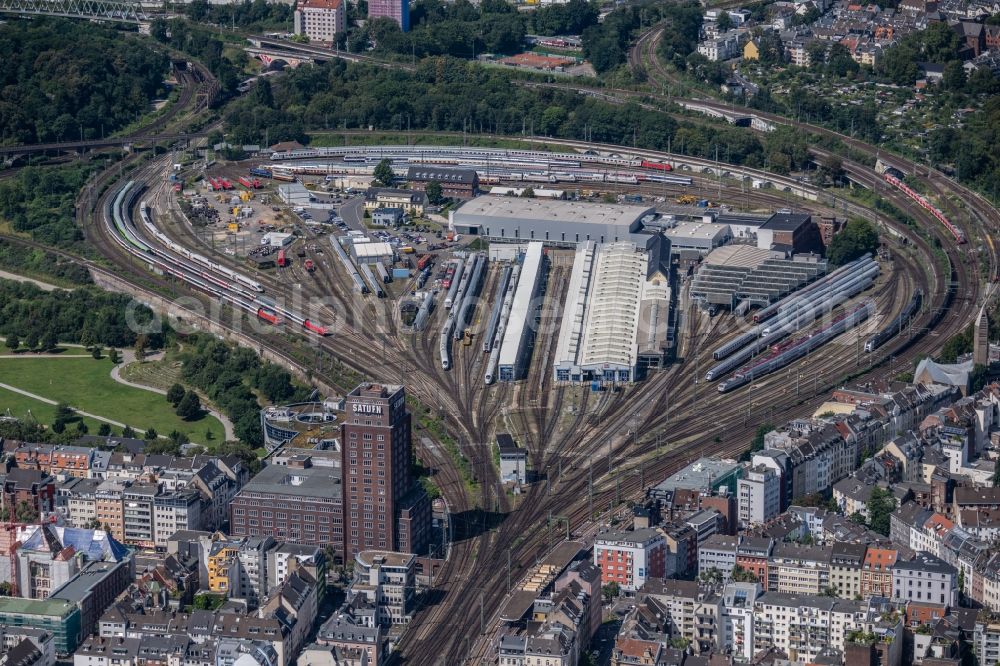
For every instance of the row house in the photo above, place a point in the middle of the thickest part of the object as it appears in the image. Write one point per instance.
(846, 563)
(31, 487)
(925, 578)
(876, 572)
(200, 626)
(796, 569)
(57, 460)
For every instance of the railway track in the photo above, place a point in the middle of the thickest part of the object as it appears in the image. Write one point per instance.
(590, 440)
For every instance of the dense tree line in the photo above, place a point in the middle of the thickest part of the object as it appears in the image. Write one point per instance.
(571, 18)
(255, 16)
(458, 29)
(86, 316)
(24, 259)
(40, 201)
(860, 120)
(206, 46)
(972, 148)
(858, 238)
(65, 79)
(682, 25)
(446, 94)
(229, 375)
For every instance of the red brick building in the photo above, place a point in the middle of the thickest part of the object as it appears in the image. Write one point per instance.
(32, 486)
(384, 506)
(752, 555)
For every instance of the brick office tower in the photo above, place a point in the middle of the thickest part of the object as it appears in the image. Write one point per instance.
(384, 506)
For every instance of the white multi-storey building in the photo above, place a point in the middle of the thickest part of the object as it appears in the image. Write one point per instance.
(320, 20)
(758, 496)
(925, 578)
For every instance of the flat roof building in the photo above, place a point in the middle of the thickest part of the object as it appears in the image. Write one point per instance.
(513, 460)
(299, 501)
(705, 474)
(294, 194)
(513, 359)
(551, 221)
(700, 236)
(795, 231)
(59, 617)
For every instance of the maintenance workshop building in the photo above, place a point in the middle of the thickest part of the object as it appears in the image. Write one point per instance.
(554, 222)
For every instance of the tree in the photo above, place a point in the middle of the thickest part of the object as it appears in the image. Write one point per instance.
(977, 378)
(48, 341)
(31, 339)
(880, 508)
(857, 238)
(96, 353)
(113, 355)
(741, 575)
(128, 432)
(81, 427)
(164, 447)
(724, 23)
(189, 408)
(384, 174)
(831, 169)
(175, 394)
(528, 193)
(25, 512)
(6, 589)
(13, 342)
(954, 76)
(87, 338)
(610, 591)
(151, 434)
(434, 194)
(141, 342)
(104, 430)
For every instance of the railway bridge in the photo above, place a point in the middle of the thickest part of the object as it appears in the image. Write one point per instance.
(126, 11)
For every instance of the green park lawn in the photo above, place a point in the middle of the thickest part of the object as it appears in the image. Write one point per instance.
(19, 406)
(86, 384)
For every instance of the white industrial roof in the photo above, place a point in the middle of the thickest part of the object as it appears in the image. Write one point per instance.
(364, 250)
(575, 309)
(613, 308)
(543, 210)
(521, 306)
(697, 230)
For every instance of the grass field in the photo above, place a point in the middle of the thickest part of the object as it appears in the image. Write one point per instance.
(86, 384)
(44, 413)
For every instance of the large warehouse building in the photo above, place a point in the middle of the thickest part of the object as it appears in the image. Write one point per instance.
(617, 311)
(554, 222)
(515, 347)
